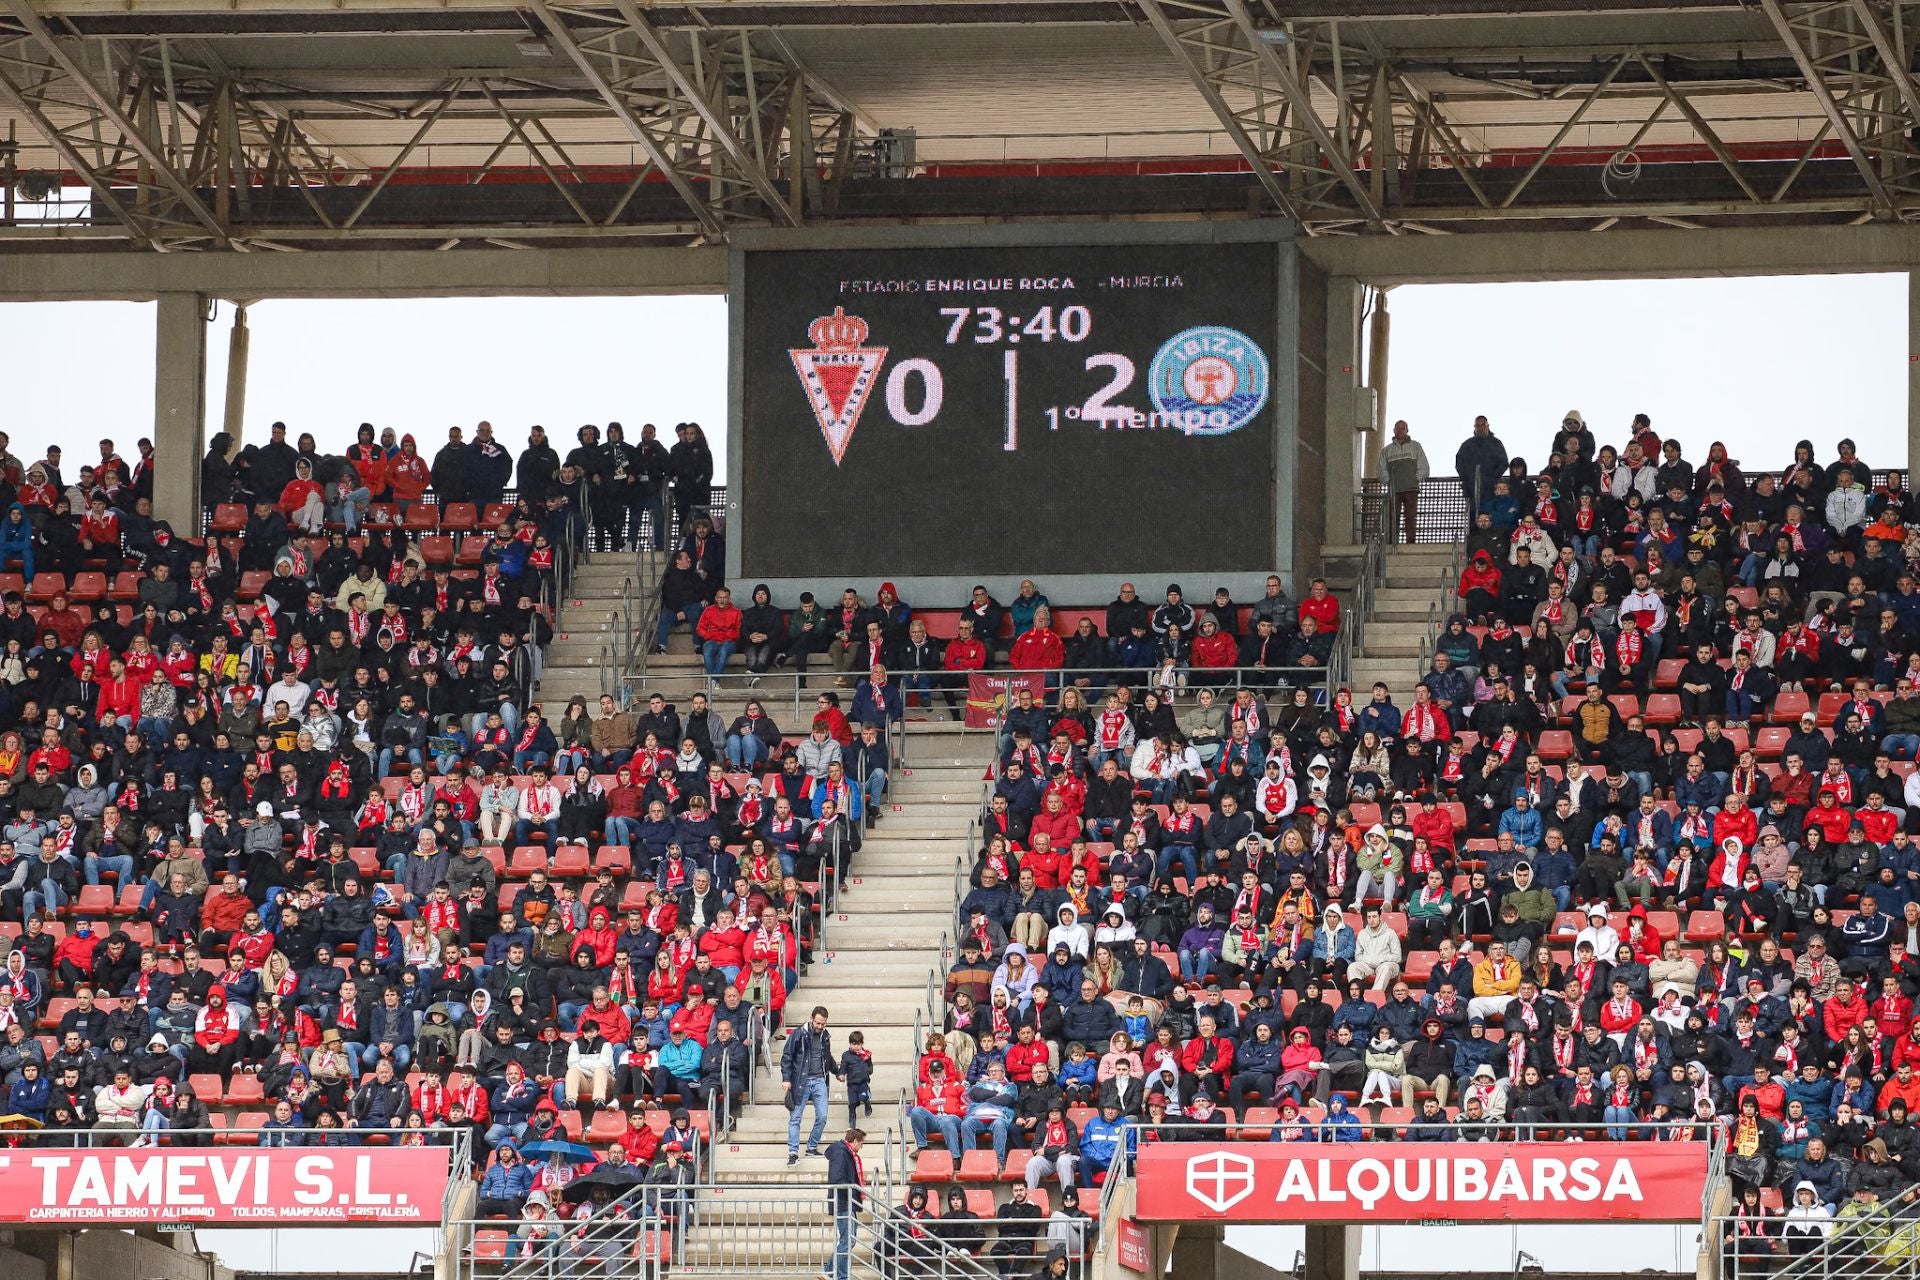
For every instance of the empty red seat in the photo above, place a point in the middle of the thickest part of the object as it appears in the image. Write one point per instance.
(420, 517)
(527, 859)
(496, 514)
(88, 586)
(1663, 709)
(1789, 706)
(437, 549)
(571, 860)
(252, 583)
(1555, 745)
(228, 517)
(935, 1164)
(458, 517)
(125, 588)
(94, 900)
(45, 586)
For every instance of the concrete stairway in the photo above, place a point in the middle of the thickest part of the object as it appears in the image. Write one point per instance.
(882, 944)
(1399, 620)
(589, 618)
(881, 948)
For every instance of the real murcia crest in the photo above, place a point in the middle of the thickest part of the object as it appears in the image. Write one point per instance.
(838, 373)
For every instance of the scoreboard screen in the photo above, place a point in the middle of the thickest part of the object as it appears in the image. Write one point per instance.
(1009, 410)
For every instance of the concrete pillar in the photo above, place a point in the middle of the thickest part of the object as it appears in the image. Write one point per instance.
(1333, 1252)
(179, 409)
(1194, 1249)
(1342, 451)
(1377, 343)
(234, 420)
(1913, 373)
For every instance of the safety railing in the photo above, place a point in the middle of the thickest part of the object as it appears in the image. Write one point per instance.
(1878, 1241)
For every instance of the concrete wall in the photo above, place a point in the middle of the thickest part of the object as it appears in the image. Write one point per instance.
(105, 1254)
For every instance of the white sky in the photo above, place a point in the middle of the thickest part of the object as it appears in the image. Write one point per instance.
(79, 371)
(1758, 362)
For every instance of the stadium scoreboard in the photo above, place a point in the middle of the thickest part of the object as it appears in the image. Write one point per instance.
(1017, 409)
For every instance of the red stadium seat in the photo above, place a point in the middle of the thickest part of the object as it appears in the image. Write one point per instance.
(88, 587)
(1663, 709)
(1666, 674)
(206, 1087)
(571, 860)
(94, 900)
(1788, 707)
(978, 1166)
(935, 1164)
(495, 515)
(125, 588)
(245, 1090)
(616, 858)
(1705, 926)
(437, 550)
(1555, 745)
(421, 518)
(458, 517)
(1771, 741)
(45, 586)
(252, 583)
(527, 859)
(228, 518)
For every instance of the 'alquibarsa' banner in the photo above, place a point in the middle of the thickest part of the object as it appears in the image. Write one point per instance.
(1414, 1182)
(369, 1185)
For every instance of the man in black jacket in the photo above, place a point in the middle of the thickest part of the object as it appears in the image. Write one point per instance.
(723, 1074)
(846, 1191)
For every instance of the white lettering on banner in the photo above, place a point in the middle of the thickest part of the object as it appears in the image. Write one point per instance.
(1371, 1180)
(311, 1183)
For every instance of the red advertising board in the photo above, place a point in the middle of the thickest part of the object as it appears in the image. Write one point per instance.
(367, 1185)
(990, 693)
(1135, 1246)
(1421, 1181)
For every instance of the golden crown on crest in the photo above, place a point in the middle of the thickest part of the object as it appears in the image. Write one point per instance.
(838, 332)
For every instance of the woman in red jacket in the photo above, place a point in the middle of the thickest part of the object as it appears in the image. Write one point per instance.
(1480, 587)
(407, 474)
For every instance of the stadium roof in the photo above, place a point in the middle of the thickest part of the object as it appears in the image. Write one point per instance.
(305, 123)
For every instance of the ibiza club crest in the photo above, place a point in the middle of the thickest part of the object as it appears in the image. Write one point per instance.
(838, 374)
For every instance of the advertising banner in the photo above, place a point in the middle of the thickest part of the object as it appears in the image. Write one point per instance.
(1421, 1182)
(282, 1185)
(990, 693)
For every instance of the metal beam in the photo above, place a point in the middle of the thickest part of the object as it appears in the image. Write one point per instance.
(13, 96)
(624, 112)
(31, 23)
(1829, 106)
(1893, 61)
(1262, 170)
(1303, 110)
(723, 133)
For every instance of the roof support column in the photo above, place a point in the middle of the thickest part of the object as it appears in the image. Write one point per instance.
(1913, 372)
(1344, 444)
(179, 409)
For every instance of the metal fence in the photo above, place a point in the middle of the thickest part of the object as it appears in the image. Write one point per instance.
(1877, 1242)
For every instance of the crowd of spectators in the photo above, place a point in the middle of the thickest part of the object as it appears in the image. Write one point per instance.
(289, 850)
(1273, 644)
(1636, 862)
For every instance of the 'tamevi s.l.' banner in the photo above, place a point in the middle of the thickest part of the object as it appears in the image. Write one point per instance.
(368, 1185)
(1413, 1182)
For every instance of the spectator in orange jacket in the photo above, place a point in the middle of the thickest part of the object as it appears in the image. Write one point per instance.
(1902, 1088)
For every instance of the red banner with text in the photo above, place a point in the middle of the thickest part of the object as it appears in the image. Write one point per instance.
(282, 1185)
(990, 693)
(1417, 1182)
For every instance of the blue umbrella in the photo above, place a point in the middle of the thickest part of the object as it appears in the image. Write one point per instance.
(571, 1150)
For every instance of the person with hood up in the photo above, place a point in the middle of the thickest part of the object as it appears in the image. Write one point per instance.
(216, 1036)
(16, 541)
(1808, 1221)
(302, 502)
(1378, 865)
(1114, 927)
(408, 474)
(1070, 933)
(1386, 1068)
(1479, 587)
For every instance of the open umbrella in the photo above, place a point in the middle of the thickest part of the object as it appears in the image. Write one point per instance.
(618, 1179)
(553, 1147)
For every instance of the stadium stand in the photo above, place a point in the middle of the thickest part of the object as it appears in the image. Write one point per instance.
(281, 817)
